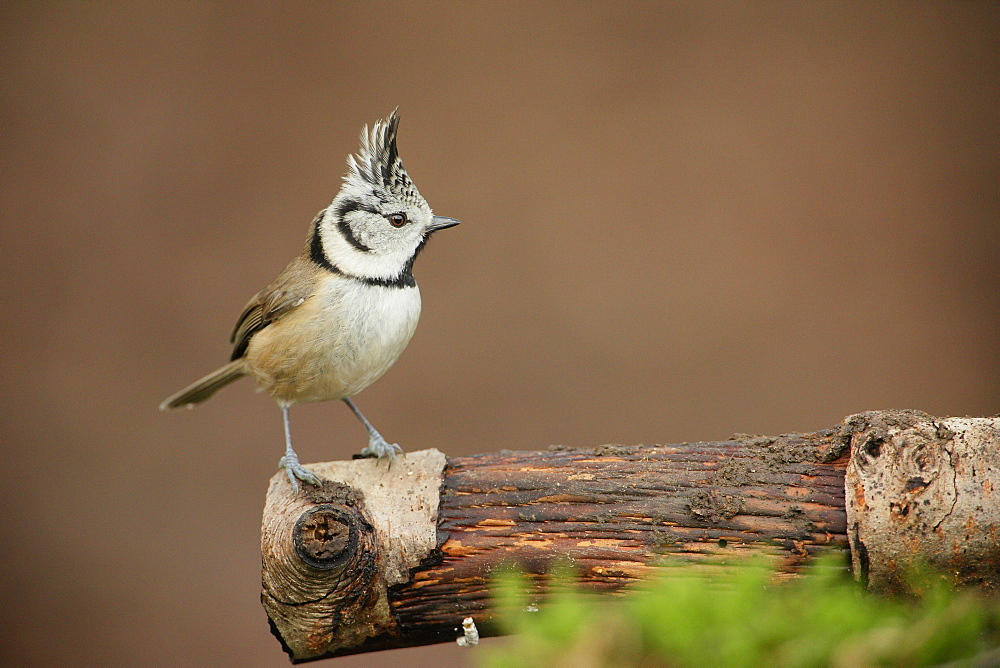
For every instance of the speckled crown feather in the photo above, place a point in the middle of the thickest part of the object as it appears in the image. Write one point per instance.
(377, 164)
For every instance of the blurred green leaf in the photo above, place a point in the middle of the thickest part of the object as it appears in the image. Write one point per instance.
(740, 615)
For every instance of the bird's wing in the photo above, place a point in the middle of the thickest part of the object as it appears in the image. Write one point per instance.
(289, 290)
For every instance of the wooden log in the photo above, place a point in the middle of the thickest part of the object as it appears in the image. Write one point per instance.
(384, 556)
(341, 575)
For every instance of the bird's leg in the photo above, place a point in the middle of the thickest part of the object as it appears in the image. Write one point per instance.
(377, 446)
(290, 462)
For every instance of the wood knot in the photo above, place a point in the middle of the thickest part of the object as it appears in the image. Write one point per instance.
(325, 536)
(870, 447)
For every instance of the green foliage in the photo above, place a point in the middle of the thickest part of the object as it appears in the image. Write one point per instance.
(742, 616)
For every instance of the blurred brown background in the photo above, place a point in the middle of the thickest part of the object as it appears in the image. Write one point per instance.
(680, 221)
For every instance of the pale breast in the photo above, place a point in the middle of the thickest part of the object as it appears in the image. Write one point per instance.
(337, 343)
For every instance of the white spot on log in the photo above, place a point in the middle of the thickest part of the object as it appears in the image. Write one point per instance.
(471, 633)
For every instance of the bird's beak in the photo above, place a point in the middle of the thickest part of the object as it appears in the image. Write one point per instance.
(440, 223)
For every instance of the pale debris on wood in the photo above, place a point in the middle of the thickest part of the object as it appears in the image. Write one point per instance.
(471, 637)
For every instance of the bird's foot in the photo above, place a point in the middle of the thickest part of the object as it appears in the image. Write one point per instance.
(296, 472)
(379, 448)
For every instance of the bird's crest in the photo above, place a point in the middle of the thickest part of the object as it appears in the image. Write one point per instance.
(377, 165)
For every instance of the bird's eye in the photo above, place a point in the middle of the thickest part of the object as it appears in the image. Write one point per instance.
(397, 219)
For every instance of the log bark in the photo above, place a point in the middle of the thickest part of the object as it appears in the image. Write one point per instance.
(393, 556)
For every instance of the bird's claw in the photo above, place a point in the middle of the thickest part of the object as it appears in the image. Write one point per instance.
(379, 448)
(296, 472)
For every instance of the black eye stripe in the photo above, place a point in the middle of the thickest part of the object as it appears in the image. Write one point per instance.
(346, 207)
(349, 205)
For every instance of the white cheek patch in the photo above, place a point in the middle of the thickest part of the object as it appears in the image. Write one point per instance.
(364, 264)
(376, 235)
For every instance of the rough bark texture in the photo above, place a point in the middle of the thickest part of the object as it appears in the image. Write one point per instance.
(383, 557)
(924, 491)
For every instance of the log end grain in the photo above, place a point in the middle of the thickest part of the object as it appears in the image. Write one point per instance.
(923, 491)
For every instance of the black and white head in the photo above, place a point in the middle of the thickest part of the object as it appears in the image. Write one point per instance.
(377, 224)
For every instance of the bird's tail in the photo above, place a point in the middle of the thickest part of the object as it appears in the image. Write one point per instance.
(201, 390)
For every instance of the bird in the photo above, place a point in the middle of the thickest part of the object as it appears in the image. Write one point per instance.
(342, 311)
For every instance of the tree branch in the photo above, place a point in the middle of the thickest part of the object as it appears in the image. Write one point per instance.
(394, 556)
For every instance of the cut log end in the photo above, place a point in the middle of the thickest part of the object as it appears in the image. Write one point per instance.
(924, 492)
(330, 553)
